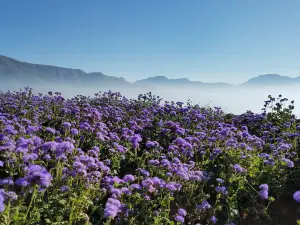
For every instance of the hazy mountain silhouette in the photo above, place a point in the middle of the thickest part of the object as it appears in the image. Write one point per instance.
(12, 70)
(183, 82)
(271, 80)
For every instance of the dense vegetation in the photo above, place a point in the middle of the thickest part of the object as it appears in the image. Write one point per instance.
(110, 160)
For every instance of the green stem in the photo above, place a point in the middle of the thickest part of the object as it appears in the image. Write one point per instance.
(71, 214)
(31, 201)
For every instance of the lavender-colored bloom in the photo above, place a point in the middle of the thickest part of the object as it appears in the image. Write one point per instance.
(3, 137)
(238, 168)
(11, 195)
(22, 182)
(1, 163)
(204, 205)
(51, 145)
(182, 212)
(7, 181)
(182, 175)
(39, 175)
(47, 157)
(10, 130)
(112, 207)
(171, 187)
(222, 190)
(168, 174)
(74, 131)
(219, 180)
(179, 219)
(135, 186)
(128, 178)
(50, 130)
(296, 196)
(64, 188)
(195, 178)
(288, 162)
(263, 193)
(264, 187)
(66, 125)
(64, 147)
(31, 157)
(165, 162)
(153, 162)
(150, 144)
(116, 193)
(143, 172)
(2, 206)
(217, 151)
(213, 219)
(126, 190)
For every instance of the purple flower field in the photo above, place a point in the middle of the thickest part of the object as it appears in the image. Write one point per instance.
(111, 160)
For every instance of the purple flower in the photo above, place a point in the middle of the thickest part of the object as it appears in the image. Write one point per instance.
(112, 207)
(2, 206)
(182, 212)
(128, 178)
(10, 130)
(150, 144)
(296, 196)
(213, 219)
(66, 125)
(51, 145)
(116, 193)
(179, 219)
(135, 186)
(7, 181)
(64, 188)
(204, 205)
(126, 190)
(153, 162)
(74, 131)
(1, 163)
(217, 151)
(263, 193)
(39, 175)
(195, 178)
(22, 182)
(288, 162)
(3, 137)
(238, 168)
(64, 147)
(50, 130)
(171, 187)
(219, 180)
(222, 190)
(11, 195)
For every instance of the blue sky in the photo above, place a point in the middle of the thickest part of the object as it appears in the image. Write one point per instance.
(206, 40)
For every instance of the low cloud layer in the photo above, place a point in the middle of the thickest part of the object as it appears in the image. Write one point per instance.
(234, 100)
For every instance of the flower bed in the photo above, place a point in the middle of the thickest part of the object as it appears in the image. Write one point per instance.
(111, 160)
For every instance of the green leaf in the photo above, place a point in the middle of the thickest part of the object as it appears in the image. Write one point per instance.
(272, 199)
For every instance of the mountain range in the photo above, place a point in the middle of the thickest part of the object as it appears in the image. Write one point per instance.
(12, 70)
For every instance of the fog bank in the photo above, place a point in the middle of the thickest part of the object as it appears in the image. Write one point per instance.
(235, 100)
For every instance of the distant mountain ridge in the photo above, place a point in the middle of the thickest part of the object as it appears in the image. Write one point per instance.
(12, 70)
(164, 81)
(272, 79)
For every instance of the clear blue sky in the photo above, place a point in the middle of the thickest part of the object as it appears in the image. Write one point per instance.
(206, 40)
